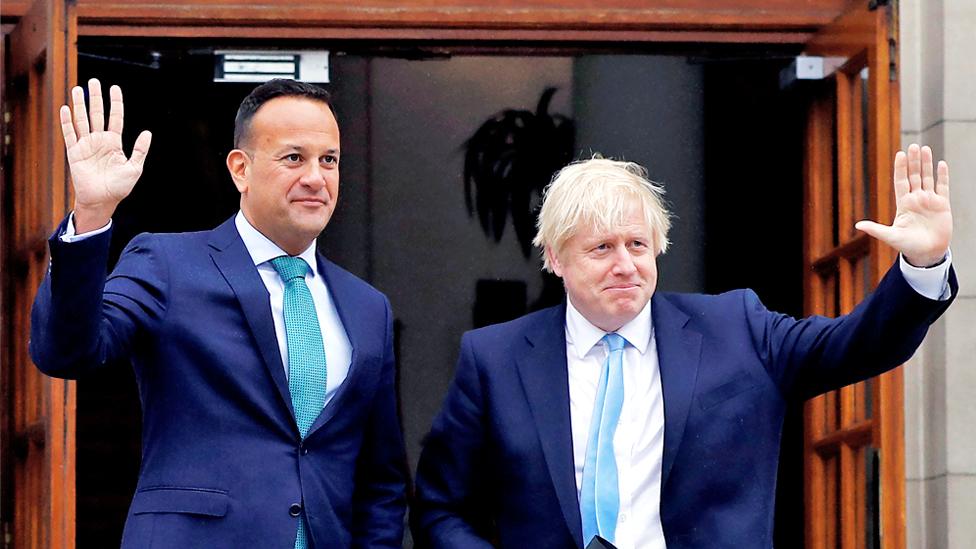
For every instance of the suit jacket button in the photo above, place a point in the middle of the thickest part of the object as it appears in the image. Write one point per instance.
(304, 450)
(295, 510)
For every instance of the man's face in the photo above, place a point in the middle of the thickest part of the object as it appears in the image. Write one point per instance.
(609, 277)
(289, 175)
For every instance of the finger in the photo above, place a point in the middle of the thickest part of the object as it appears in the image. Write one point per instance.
(67, 127)
(141, 149)
(97, 105)
(883, 233)
(117, 112)
(928, 174)
(901, 174)
(80, 113)
(942, 184)
(914, 167)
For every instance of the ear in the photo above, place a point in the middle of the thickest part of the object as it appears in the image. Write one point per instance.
(557, 267)
(239, 164)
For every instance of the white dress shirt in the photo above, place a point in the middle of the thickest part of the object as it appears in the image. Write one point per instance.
(338, 350)
(638, 443)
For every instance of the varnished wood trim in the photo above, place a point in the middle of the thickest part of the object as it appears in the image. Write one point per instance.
(852, 249)
(449, 33)
(858, 434)
(500, 14)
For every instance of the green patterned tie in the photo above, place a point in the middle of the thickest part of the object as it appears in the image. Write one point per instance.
(306, 353)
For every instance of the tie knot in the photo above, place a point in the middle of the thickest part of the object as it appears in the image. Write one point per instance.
(290, 268)
(615, 341)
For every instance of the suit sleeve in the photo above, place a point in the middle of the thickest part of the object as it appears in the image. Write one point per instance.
(449, 495)
(814, 355)
(80, 320)
(379, 501)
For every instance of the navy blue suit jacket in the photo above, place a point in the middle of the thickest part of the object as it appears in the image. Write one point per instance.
(498, 463)
(222, 458)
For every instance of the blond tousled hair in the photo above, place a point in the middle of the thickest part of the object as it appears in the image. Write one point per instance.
(597, 193)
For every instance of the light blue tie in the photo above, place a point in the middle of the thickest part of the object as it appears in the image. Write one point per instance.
(599, 494)
(306, 354)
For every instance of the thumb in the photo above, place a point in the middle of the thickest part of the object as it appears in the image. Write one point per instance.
(141, 149)
(883, 233)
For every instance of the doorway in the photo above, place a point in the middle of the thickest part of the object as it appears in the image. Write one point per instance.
(710, 123)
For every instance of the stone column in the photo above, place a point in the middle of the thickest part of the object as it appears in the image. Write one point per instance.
(938, 101)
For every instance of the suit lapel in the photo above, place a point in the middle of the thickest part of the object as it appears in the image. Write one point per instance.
(344, 296)
(679, 354)
(545, 380)
(235, 264)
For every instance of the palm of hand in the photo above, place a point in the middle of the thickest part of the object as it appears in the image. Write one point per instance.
(923, 222)
(922, 227)
(101, 174)
(100, 170)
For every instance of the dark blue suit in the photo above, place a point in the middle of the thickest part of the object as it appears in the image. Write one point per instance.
(498, 463)
(222, 461)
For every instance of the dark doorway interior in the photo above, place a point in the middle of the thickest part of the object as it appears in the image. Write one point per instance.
(743, 150)
(754, 160)
(182, 189)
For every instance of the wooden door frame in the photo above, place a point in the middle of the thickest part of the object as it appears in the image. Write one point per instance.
(767, 21)
(39, 411)
(500, 25)
(834, 429)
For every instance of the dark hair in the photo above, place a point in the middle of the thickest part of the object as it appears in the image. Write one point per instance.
(279, 87)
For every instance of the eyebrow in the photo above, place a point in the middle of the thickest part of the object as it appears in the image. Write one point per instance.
(636, 235)
(302, 149)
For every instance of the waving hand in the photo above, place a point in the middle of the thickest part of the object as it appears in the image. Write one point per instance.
(101, 174)
(922, 227)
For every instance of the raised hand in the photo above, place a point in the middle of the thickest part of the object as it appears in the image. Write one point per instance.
(922, 227)
(100, 172)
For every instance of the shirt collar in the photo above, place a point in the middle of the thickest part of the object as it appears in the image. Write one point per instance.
(262, 249)
(584, 335)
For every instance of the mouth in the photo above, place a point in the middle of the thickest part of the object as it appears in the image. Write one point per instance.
(621, 287)
(310, 201)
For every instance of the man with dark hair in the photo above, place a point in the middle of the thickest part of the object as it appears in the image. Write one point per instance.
(266, 372)
(278, 87)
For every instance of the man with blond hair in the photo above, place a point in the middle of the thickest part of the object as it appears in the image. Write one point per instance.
(652, 419)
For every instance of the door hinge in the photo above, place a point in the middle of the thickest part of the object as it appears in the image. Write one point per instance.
(892, 60)
(7, 138)
(892, 28)
(7, 117)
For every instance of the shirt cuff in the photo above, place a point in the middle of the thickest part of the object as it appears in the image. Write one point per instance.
(69, 235)
(931, 282)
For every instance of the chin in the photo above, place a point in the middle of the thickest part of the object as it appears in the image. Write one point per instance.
(311, 223)
(628, 313)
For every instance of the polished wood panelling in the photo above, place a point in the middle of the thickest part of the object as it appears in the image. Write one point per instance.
(849, 176)
(41, 409)
(653, 20)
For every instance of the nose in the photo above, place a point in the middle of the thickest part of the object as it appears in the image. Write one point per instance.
(313, 176)
(623, 262)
